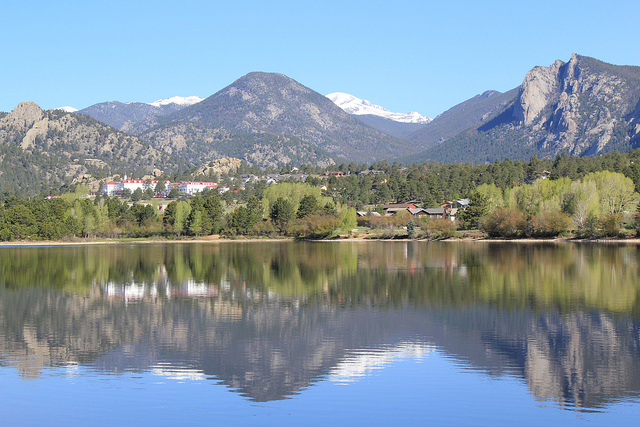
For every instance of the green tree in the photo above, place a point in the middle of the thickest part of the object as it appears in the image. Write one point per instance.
(478, 208)
(293, 192)
(281, 212)
(214, 210)
(21, 222)
(350, 219)
(240, 220)
(148, 194)
(195, 222)
(616, 191)
(143, 213)
(174, 193)
(582, 203)
(330, 209)
(308, 206)
(160, 187)
(255, 209)
(411, 228)
(183, 209)
(137, 195)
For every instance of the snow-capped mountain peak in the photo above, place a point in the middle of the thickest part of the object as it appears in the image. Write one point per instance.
(357, 106)
(67, 109)
(178, 100)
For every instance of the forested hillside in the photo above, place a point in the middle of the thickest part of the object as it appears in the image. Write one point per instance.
(41, 151)
(589, 196)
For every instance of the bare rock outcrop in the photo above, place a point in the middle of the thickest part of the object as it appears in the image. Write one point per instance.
(575, 106)
(541, 87)
(23, 116)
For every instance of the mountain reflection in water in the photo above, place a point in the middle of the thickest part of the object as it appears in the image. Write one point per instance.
(270, 319)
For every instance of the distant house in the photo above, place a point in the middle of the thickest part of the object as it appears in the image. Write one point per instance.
(417, 212)
(394, 208)
(436, 212)
(456, 204)
(298, 177)
(117, 187)
(365, 213)
(111, 187)
(370, 172)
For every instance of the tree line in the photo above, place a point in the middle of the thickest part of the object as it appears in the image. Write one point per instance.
(295, 209)
(576, 195)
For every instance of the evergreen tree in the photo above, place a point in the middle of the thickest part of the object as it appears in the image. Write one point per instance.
(478, 208)
(137, 195)
(215, 212)
(160, 187)
(282, 212)
(308, 206)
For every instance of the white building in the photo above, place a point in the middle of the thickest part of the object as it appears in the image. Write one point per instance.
(111, 188)
(190, 187)
(117, 187)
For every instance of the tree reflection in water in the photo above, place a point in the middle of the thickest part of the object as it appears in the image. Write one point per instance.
(269, 319)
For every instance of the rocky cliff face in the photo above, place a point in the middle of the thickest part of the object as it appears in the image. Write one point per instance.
(541, 86)
(582, 107)
(580, 104)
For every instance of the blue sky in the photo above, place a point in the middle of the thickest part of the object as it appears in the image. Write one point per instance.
(406, 56)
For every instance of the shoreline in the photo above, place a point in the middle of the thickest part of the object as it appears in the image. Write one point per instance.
(218, 240)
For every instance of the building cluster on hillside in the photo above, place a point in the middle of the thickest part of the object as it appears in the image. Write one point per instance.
(447, 210)
(189, 188)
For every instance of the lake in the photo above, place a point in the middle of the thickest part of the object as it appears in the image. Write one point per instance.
(291, 333)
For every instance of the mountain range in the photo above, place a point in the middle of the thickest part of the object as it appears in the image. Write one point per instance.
(583, 107)
(127, 116)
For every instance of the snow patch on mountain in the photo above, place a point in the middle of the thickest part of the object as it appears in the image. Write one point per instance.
(67, 109)
(357, 106)
(178, 100)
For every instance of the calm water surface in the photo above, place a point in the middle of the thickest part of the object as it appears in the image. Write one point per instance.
(317, 333)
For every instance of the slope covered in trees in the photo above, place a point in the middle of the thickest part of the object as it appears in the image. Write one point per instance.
(538, 198)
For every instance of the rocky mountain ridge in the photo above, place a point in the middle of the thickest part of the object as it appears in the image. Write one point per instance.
(584, 101)
(129, 117)
(583, 107)
(274, 104)
(41, 150)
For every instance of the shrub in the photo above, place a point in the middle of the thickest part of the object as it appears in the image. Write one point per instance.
(264, 228)
(386, 222)
(549, 223)
(610, 224)
(364, 221)
(441, 228)
(504, 222)
(314, 226)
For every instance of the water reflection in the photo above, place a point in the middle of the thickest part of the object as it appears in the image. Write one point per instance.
(268, 320)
